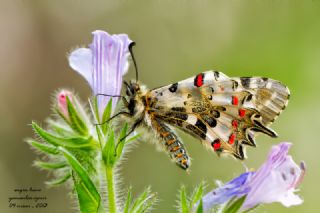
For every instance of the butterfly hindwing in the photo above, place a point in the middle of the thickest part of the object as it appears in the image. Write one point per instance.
(224, 112)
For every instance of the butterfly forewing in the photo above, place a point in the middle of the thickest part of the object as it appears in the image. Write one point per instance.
(224, 112)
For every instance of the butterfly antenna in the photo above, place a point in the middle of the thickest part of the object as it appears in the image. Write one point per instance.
(133, 59)
(121, 112)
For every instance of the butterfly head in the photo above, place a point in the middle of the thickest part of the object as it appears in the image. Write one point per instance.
(132, 88)
(133, 93)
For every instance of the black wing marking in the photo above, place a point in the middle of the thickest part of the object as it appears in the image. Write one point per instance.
(225, 112)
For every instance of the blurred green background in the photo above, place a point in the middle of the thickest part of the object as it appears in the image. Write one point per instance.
(175, 40)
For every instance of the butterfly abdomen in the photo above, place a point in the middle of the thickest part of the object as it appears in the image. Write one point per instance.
(172, 143)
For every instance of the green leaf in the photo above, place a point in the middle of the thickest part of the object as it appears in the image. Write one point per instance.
(59, 128)
(108, 152)
(49, 165)
(120, 144)
(197, 195)
(88, 195)
(234, 206)
(76, 142)
(200, 207)
(49, 149)
(76, 122)
(128, 201)
(85, 200)
(59, 181)
(183, 200)
(100, 136)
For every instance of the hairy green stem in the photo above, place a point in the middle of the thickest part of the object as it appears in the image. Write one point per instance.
(111, 194)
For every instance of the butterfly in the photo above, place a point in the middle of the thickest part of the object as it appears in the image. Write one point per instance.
(224, 113)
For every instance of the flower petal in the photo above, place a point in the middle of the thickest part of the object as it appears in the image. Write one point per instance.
(275, 180)
(110, 62)
(290, 199)
(236, 187)
(81, 61)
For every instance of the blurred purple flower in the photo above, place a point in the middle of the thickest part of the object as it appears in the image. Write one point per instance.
(103, 64)
(275, 181)
(235, 187)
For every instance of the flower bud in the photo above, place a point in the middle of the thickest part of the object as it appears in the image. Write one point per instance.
(62, 102)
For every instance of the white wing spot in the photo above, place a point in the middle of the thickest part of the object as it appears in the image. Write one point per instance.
(192, 119)
(269, 85)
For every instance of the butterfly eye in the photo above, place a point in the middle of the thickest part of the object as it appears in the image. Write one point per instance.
(131, 106)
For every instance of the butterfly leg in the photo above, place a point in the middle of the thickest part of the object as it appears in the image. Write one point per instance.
(134, 126)
(172, 143)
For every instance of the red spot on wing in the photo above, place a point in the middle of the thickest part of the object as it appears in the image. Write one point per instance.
(235, 124)
(242, 113)
(216, 144)
(199, 80)
(232, 138)
(235, 100)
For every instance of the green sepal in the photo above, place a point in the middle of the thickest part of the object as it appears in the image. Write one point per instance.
(95, 108)
(133, 138)
(234, 205)
(121, 143)
(144, 202)
(50, 165)
(108, 151)
(76, 122)
(100, 136)
(196, 195)
(88, 195)
(183, 200)
(46, 148)
(75, 142)
(192, 203)
(200, 207)
(126, 208)
(106, 116)
(59, 181)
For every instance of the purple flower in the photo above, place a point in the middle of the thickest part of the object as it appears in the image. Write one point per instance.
(103, 64)
(275, 181)
(235, 187)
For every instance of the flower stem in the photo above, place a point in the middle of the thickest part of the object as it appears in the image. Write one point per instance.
(111, 194)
